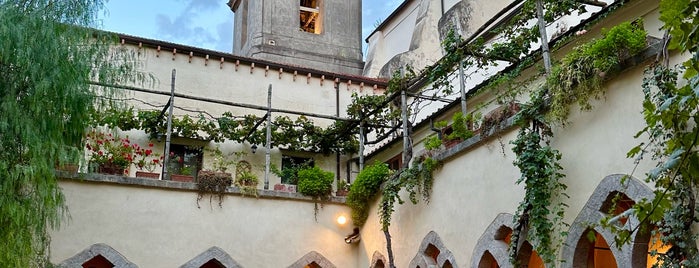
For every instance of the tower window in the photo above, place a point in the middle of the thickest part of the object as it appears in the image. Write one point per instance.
(310, 17)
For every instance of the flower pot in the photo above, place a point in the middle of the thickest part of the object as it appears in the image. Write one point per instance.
(341, 193)
(110, 169)
(68, 168)
(150, 175)
(182, 178)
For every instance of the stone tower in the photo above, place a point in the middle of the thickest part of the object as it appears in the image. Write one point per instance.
(318, 34)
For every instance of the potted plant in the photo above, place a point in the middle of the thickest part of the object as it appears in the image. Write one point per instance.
(219, 166)
(316, 183)
(110, 153)
(342, 188)
(147, 161)
(180, 171)
(247, 182)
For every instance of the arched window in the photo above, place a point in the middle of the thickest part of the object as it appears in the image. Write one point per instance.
(98, 256)
(98, 261)
(491, 251)
(587, 246)
(377, 260)
(432, 253)
(214, 257)
(312, 260)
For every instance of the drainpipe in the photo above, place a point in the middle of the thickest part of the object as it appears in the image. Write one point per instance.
(439, 131)
(169, 127)
(337, 113)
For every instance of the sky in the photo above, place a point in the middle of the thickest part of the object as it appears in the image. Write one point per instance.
(201, 23)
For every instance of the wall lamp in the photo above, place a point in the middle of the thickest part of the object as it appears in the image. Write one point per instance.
(253, 148)
(353, 237)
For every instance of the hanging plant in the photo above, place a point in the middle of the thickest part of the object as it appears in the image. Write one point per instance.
(540, 212)
(364, 189)
(316, 183)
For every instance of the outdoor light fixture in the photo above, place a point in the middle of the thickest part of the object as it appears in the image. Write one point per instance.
(353, 237)
(341, 220)
(254, 148)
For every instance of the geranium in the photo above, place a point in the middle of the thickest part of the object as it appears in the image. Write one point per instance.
(109, 149)
(146, 158)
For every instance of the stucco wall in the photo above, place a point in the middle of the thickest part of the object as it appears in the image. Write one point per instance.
(162, 227)
(478, 183)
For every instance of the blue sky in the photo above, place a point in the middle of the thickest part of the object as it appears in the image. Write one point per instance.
(200, 23)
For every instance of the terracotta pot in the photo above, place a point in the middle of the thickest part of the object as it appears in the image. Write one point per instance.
(182, 178)
(285, 187)
(110, 169)
(150, 175)
(341, 193)
(451, 143)
(69, 168)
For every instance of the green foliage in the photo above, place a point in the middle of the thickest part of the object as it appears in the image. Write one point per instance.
(364, 189)
(316, 183)
(672, 127)
(298, 135)
(220, 160)
(213, 183)
(247, 182)
(432, 143)
(416, 181)
(460, 129)
(581, 72)
(539, 211)
(45, 105)
(671, 117)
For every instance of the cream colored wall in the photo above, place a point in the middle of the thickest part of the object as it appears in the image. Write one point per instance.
(479, 183)
(394, 38)
(197, 76)
(154, 227)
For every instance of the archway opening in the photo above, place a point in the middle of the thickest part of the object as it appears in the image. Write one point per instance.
(488, 261)
(656, 244)
(313, 265)
(379, 264)
(432, 252)
(98, 261)
(213, 263)
(617, 203)
(527, 255)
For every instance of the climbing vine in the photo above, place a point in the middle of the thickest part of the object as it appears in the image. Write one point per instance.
(671, 137)
(364, 189)
(300, 134)
(581, 72)
(540, 210)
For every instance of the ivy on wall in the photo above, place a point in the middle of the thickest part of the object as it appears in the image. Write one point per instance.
(671, 98)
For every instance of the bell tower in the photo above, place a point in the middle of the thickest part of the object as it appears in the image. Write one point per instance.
(318, 34)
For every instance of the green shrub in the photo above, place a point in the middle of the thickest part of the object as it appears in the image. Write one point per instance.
(315, 182)
(364, 188)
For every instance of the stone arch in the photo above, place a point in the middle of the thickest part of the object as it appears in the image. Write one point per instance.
(629, 255)
(213, 253)
(95, 250)
(378, 260)
(492, 243)
(313, 259)
(432, 252)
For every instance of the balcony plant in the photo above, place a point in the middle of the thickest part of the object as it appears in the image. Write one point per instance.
(316, 183)
(215, 179)
(147, 162)
(247, 182)
(342, 188)
(110, 153)
(179, 170)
